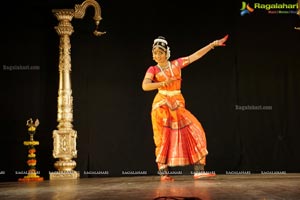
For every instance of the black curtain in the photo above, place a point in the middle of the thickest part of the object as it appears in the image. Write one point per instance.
(245, 94)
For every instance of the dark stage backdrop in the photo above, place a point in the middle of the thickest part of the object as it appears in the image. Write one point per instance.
(246, 95)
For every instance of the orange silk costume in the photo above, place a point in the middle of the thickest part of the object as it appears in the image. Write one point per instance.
(178, 136)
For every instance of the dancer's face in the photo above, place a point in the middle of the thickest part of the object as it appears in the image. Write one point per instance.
(159, 55)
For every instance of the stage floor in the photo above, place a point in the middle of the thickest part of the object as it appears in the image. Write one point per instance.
(221, 187)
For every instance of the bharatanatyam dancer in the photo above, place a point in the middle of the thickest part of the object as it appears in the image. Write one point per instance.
(178, 136)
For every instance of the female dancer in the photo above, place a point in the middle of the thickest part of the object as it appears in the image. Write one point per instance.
(178, 136)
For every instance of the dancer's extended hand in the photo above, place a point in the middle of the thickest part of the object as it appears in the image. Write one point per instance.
(221, 42)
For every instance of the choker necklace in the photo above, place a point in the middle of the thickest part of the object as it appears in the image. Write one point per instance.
(162, 70)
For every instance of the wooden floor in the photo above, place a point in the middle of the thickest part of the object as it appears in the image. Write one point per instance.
(221, 187)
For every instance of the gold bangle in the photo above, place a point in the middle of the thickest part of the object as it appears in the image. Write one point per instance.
(215, 44)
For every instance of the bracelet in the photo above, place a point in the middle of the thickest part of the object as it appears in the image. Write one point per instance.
(163, 84)
(215, 44)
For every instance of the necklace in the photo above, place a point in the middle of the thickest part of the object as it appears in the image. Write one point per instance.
(166, 67)
(169, 66)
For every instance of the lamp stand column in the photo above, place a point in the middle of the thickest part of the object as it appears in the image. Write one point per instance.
(64, 138)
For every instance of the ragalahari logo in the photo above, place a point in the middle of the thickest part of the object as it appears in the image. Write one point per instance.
(246, 9)
(270, 8)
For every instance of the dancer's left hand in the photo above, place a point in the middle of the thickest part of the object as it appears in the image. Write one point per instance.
(221, 42)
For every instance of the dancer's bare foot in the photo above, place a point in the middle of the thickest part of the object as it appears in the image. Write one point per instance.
(200, 175)
(166, 178)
